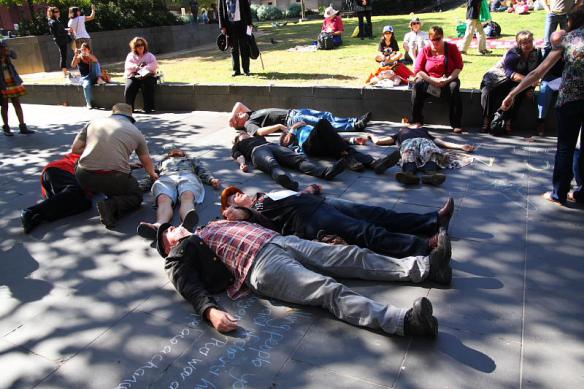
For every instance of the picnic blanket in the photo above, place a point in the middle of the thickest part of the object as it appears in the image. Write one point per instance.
(493, 43)
(303, 48)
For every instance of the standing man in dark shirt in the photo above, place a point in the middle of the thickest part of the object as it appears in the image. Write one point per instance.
(269, 156)
(234, 21)
(269, 120)
(306, 213)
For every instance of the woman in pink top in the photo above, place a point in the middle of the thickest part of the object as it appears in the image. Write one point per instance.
(437, 68)
(333, 24)
(140, 72)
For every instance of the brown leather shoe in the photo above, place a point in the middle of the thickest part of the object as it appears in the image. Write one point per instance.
(445, 213)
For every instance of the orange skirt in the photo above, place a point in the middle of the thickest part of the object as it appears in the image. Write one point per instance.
(12, 90)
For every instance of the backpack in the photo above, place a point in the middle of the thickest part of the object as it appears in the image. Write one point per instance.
(324, 41)
(492, 29)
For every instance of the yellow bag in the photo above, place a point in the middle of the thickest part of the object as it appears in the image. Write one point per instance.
(355, 33)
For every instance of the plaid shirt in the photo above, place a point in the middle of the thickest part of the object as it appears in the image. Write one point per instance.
(237, 243)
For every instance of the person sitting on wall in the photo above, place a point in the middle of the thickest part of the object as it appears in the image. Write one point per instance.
(140, 73)
(89, 70)
(333, 24)
(269, 120)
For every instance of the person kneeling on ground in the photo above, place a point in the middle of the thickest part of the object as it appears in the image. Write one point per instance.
(90, 71)
(420, 152)
(253, 258)
(62, 194)
(306, 214)
(269, 120)
(268, 156)
(322, 140)
(179, 181)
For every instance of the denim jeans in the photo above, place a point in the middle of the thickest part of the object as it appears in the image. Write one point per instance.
(311, 116)
(299, 271)
(88, 81)
(570, 117)
(552, 22)
(544, 99)
(270, 158)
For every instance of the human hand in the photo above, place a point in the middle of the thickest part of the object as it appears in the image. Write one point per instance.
(154, 176)
(221, 321)
(297, 125)
(215, 183)
(314, 189)
(507, 102)
(223, 31)
(244, 167)
(235, 214)
(135, 165)
(469, 148)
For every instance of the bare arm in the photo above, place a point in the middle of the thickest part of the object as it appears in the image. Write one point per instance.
(92, 15)
(148, 165)
(76, 60)
(79, 143)
(454, 75)
(454, 146)
(383, 141)
(271, 129)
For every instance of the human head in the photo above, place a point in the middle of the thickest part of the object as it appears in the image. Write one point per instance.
(85, 47)
(238, 121)
(176, 152)
(53, 13)
(74, 12)
(436, 33)
(234, 196)
(330, 12)
(241, 135)
(576, 17)
(524, 41)
(387, 30)
(415, 24)
(123, 109)
(168, 236)
(137, 44)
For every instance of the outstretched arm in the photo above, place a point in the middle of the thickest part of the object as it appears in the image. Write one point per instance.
(271, 129)
(92, 15)
(454, 146)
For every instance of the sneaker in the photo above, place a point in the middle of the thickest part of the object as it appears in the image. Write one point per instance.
(435, 179)
(440, 270)
(485, 52)
(89, 106)
(419, 320)
(366, 118)
(24, 129)
(147, 231)
(382, 164)
(360, 125)
(191, 220)
(29, 220)
(337, 168)
(107, 215)
(407, 178)
(100, 81)
(353, 164)
(287, 182)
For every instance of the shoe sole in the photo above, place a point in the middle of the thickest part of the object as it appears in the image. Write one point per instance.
(335, 171)
(444, 252)
(191, 220)
(388, 161)
(434, 179)
(407, 179)
(426, 317)
(146, 231)
(446, 224)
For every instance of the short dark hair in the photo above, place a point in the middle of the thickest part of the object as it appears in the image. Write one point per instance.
(436, 30)
(73, 12)
(576, 17)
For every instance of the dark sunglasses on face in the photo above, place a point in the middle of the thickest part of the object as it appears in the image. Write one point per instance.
(436, 39)
(412, 23)
(139, 44)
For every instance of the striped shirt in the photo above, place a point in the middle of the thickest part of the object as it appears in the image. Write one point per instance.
(237, 243)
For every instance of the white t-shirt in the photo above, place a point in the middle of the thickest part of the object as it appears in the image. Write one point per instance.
(78, 25)
(416, 39)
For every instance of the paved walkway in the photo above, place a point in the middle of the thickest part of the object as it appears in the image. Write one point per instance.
(85, 307)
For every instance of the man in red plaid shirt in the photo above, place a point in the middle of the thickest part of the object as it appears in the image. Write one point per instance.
(240, 256)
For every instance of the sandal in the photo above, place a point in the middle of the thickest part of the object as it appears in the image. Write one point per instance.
(548, 196)
(6, 129)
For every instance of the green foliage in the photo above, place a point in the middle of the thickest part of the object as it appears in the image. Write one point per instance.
(392, 7)
(294, 10)
(38, 25)
(254, 11)
(268, 12)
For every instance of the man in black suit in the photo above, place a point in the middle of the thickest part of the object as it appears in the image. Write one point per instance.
(234, 19)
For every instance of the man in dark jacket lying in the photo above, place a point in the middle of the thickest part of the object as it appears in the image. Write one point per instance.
(240, 256)
(379, 229)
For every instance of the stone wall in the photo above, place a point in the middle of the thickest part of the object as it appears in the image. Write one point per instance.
(40, 54)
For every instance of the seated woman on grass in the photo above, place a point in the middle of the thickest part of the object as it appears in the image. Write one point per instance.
(333, 24)
(420, 151)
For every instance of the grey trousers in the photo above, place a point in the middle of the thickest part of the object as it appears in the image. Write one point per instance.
(292, 269)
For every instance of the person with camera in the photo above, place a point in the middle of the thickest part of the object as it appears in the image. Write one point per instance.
(89, 70)
(140, 73)
(77, 26)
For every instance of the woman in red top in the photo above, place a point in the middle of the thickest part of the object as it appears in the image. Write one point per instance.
(437, 69)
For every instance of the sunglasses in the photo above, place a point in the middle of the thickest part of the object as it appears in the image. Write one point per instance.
(139, 45)
(412, 23)
(436, 39)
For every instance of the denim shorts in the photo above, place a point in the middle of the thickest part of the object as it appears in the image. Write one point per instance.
(174, 185)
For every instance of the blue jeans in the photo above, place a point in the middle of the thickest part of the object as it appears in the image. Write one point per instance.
(311, 116)
(88, 81)
(551, 23)
(544, 99)
(299, 271)
(570, 117)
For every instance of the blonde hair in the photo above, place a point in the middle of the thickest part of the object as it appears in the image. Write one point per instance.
(521, 35)
(51, 12)
(136, 40)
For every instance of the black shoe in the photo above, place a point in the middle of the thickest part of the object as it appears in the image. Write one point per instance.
(147, 231)
(419, 320)
(29, 220)
(107, 215)
(353, 164)
(360, 125)
(337, 168)
(6, 129)
(287, 182)
(366, 118)
(24, 129)
(235, 74)
(191, 220)
(247, 74)
(445, 213)
(440, 270)
(434, 179)
(382, 164)
(407, 178)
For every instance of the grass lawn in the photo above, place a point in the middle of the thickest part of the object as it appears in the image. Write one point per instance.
(348, 65)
